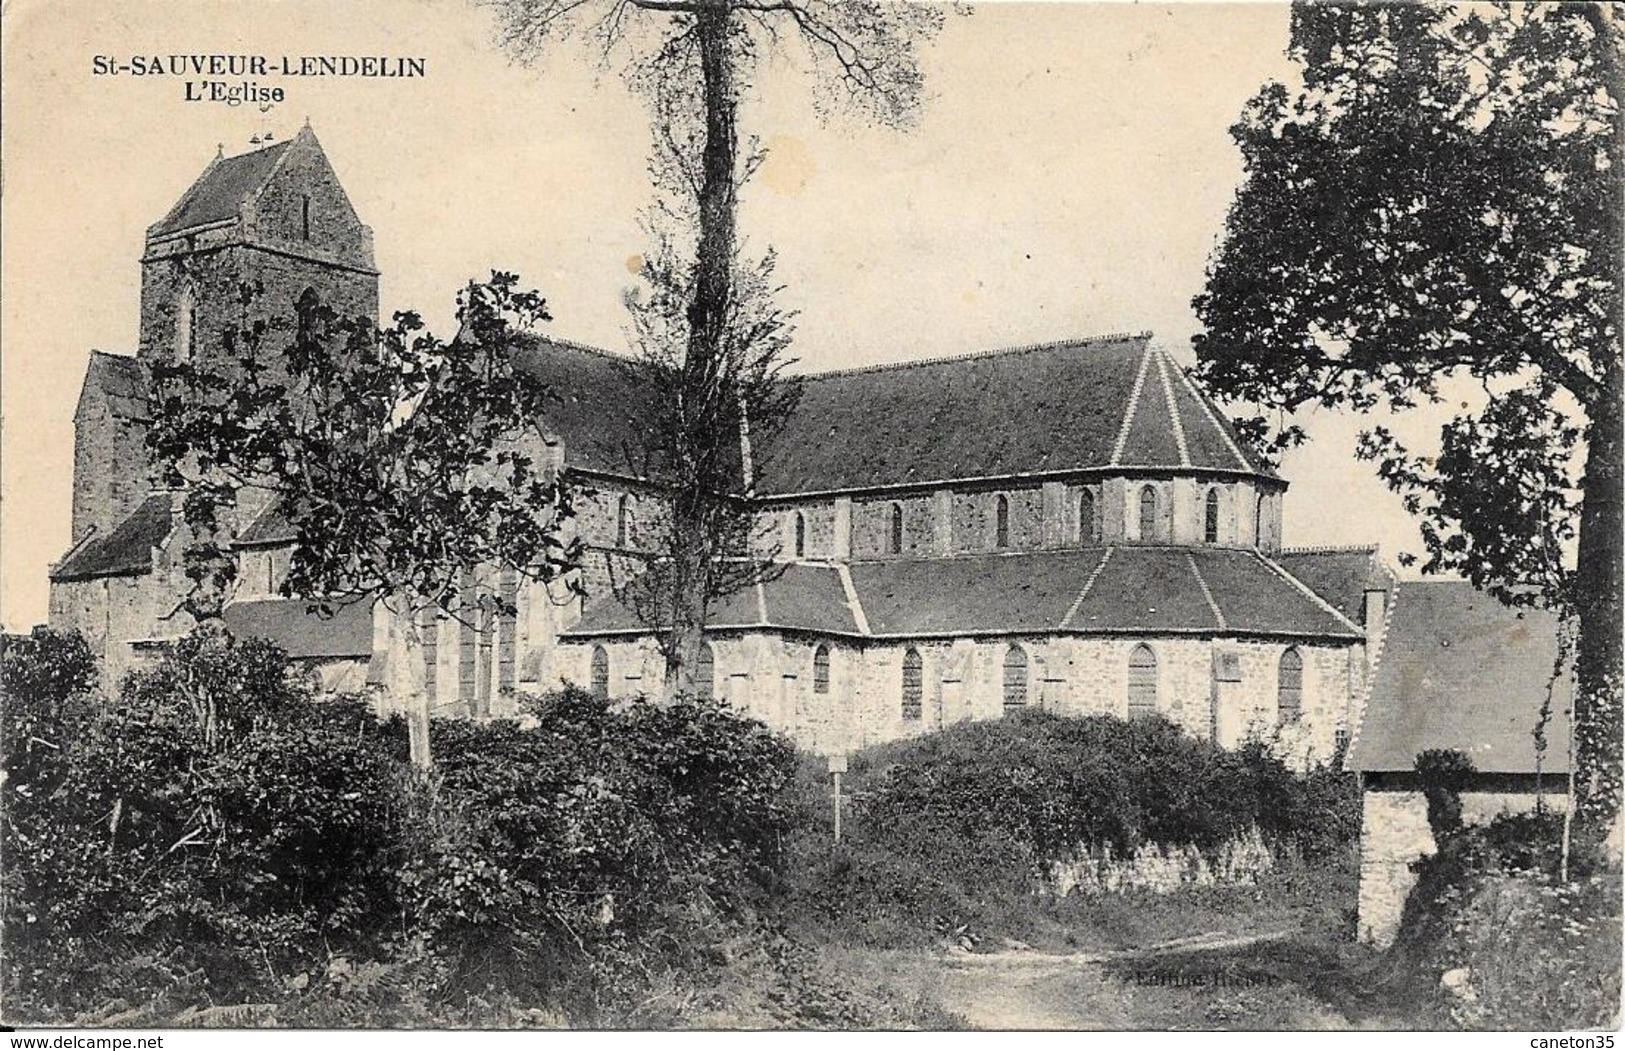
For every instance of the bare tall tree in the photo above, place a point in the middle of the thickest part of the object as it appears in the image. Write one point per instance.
(691, 59)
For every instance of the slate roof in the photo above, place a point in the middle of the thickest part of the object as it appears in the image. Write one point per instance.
(1460, 670)
(271, 527)
(1341, 576)
(118, 381)
(125, 551)
(602, 408)
(220, 192)
(1114, 401)
(1112, 590)
(1082, 404)
(304, 634)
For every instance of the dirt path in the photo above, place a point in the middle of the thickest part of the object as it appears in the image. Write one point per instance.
(1033, 990)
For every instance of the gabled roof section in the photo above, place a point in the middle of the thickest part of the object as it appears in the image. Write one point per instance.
(1340, 576)
(221, 191)
(1132, 590)
(271, 527)
(1084, 404)
(801, 597)
(1460, 670)
(602, 407)
(118, 382)
(302, 632)
(126, 551)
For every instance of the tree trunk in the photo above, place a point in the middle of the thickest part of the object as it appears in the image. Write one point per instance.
(704, 409)
(403, 678)
(1597, 600)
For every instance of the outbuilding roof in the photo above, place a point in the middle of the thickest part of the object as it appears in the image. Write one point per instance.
(127, 550)
(302, 631)
(1128, 589)
(1459, 670)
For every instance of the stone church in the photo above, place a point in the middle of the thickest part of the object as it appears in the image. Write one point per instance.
(1073, 525)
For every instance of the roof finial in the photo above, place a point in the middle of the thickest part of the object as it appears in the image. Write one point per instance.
(219, 151)
(255, 141)
(307, 120)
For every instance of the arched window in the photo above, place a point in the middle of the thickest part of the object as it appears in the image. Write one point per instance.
(1001, 522)
(821, 669)
(1148, 513)
(801, 535)
(1289, 687)
(185, 324)
(623, 522)
(1088, 524)
(1015, 678)
(705, 672)
(896, 545)
(1142, 682)
(913, 684)
(600, 672)
(1210, 518)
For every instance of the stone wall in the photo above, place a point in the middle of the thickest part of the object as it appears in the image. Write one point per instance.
(1394, 833)
(1041, 516)
(110, 467)
(770, 676)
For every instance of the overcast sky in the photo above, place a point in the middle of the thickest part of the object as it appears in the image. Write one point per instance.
(1068, 176)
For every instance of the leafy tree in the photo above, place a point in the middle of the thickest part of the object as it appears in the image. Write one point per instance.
(691, 59)
(1437, 208)
(393, 455)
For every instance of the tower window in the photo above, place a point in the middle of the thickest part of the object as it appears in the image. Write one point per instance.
(1088, 523)
(1015, 678)
(600, 673)
(623, 522)
(913, 685)
(821, 669)
(185, 324)
(801, 535)
(1289, 687)
(1210, 519)
(1148, 513)
(1142, 682)
(896, 538)
(705, 673)
(1001, 522)
(304, 215)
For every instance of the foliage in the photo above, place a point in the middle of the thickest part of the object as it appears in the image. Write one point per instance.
(1502, 942)
(708, 328)
(1444, 773)
(1435, 212)
(947, 829)
(391, 453)
(46, 667)
(144, 857)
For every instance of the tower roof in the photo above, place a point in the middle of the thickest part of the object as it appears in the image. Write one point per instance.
(221, 191)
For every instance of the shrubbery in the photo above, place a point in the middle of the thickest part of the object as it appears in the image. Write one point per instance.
(949, 828)
(216, 837)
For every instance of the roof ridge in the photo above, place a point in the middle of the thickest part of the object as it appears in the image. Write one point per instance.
(1129, 411)
(1207, 592)
(570, 344)
(1173, 411)
(1281, 571)
(1206, 406)
(1329, 549)
(1023, 348)
(1088, 585)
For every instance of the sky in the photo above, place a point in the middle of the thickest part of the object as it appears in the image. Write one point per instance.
(1068, 175)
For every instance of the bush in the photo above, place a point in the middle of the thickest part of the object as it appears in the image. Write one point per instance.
(146, 857)
(955, 832)
(1502, 942)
